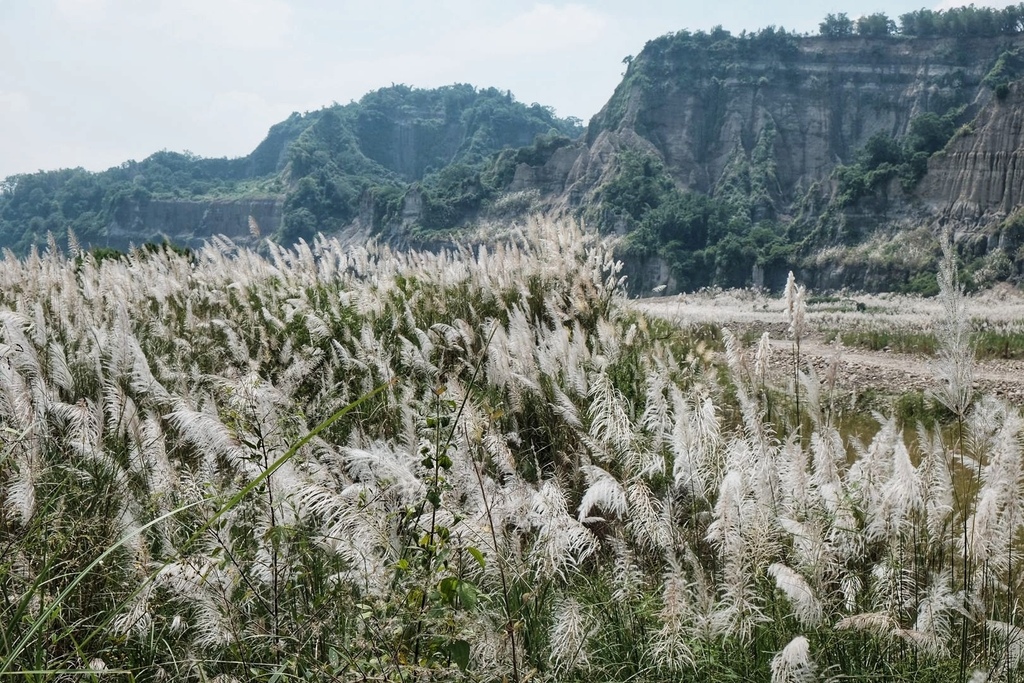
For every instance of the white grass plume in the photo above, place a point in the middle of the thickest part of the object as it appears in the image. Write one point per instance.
(696, 441)
(938, 485)
(794, 664)
(878, 623)
(672, 643)
(649, 524)
(570, 630)
(955, 369)
(603, 493)
(609, 414)
(806, 606)
(828, 464)
(901, 498)
(627, 576)
(562, 542)
(935, 615)
(207, 433)
(739, 610)
(1011, 638)
(999, 511)
(762, 359)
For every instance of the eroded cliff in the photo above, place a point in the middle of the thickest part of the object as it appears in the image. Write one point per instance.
(979, 177)
(824, 98)
(807, 144)
(190, 223)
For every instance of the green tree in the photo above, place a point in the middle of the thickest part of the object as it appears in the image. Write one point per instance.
(876, 25)
(836, 26)
(930, 132)
(881, 148)
(640, 185)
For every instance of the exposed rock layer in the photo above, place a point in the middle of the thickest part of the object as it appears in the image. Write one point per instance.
(189, 223)
(824, 101)
(980, 175)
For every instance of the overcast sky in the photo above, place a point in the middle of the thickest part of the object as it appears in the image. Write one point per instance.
(93, 83)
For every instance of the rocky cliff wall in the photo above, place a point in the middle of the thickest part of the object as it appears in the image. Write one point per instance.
(979, 178)
(824, 99)
(190, 222)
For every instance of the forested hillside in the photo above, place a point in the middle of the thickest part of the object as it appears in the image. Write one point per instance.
(322, 167)
(729, 160)
(720, 159)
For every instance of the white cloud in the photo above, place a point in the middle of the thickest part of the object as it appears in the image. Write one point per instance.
(81, 10)
(225, 24)
(234, 122)
(239, 24)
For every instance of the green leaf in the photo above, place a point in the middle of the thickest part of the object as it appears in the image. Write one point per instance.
(468, 594)
(448, 588)
(237, 498)
(46, 614)
(478, 556)
(458, 650)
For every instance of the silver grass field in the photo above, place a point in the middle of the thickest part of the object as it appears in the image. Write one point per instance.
(334, 464)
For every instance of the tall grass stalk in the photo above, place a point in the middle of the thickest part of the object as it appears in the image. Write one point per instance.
(606, 500)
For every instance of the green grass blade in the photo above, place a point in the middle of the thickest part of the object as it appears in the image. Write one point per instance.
(235, 499)
(52, 608)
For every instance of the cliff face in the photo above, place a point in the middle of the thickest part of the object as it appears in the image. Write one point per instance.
(729, 160)
(823, 98)
(804, 147)
(315, 172)
(189, 223)
(979, 177)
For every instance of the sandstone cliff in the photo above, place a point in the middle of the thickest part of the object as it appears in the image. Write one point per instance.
(824, 97)
(189, 223)
(979, 177)
(784, 114)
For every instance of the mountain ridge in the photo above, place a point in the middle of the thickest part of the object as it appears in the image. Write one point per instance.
(325, 168)
(720, 160)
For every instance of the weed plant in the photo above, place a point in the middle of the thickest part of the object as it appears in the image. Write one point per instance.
(357, 464)
(988, 341)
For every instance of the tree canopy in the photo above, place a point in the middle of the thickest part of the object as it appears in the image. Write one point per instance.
(323, 163)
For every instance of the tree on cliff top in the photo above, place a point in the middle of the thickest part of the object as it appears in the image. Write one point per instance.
(877, 25)
(836, 26)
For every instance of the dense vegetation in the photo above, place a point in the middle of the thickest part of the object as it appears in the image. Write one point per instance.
(446, 157)
(956, 22)
(703, 61)
(740, 227)
(331, 464)
(33, 205)
(437, 143)
(708, 240)
(883, 157)
(327, 165)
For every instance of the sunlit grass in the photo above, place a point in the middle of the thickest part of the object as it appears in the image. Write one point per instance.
(483, 465)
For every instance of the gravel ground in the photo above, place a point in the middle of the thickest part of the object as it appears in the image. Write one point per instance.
(750, 314)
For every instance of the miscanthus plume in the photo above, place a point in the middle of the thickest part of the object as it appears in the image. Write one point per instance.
(526, 480)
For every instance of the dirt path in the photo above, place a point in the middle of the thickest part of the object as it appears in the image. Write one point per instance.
(858, 369)
(889, 372)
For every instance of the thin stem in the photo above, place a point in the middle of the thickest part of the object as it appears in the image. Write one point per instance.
(509, 622)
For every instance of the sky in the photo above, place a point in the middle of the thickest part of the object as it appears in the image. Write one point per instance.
(94, 83)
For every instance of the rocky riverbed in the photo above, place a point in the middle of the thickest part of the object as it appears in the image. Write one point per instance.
(749, 314)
